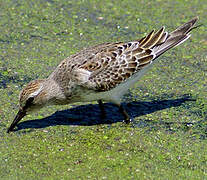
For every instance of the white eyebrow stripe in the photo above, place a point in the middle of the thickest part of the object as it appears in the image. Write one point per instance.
(36, 92)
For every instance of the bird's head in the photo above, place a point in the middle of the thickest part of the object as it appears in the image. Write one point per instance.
(31, 98)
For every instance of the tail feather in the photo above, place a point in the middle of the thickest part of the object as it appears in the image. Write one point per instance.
(185, 28)
(175, 38)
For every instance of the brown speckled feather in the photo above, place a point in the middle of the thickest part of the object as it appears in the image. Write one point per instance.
(116, 64)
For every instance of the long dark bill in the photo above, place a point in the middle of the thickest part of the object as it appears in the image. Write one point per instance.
(18, 117)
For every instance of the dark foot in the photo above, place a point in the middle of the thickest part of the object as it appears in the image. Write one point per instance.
(103, 112)
(128, 121)
(127, 118)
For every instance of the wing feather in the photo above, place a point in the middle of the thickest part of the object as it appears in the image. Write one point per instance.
(115, 63)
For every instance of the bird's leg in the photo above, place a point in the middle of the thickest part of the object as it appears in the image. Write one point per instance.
(103, 112)
(127, 118)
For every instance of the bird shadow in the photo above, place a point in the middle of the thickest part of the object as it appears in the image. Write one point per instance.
(89, 115)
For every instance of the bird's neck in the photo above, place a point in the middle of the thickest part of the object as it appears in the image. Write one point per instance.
(55, 94)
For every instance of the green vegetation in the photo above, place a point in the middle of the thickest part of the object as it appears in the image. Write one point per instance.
(169, 137)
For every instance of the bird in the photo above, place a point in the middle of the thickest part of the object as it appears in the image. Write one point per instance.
(102, 73)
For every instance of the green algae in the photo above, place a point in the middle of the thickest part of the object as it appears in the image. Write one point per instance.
(168, 139)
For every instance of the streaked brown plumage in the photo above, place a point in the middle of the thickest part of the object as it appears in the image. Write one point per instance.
(103, 72)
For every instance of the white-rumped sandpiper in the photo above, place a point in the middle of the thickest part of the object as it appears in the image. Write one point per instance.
(101, 73)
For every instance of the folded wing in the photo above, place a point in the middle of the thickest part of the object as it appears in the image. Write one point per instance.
(116, 62)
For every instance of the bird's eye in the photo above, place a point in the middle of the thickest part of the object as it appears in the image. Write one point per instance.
(29, 102)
